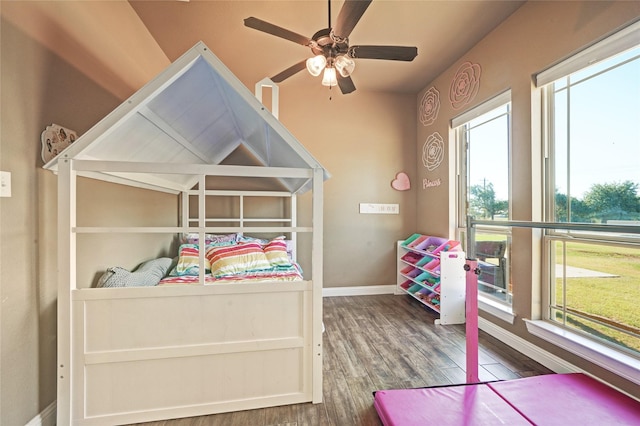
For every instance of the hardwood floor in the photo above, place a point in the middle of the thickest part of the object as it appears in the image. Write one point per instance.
(379, 342)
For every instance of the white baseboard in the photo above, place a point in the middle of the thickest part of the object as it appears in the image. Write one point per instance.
(46, 417)
(549, 360)
(363, 290)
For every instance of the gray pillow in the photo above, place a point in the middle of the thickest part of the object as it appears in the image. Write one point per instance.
(147, 274)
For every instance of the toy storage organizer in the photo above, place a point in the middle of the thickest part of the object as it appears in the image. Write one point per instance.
(431, 270)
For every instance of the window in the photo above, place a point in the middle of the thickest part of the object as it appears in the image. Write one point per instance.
(483, 140)
(593, 176)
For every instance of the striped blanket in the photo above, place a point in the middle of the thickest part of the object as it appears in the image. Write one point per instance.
(281, 273)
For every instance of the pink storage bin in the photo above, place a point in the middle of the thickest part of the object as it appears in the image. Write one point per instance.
(405, 285)
(410, 271)
(433, 265)
(449, 245)
(411, 258)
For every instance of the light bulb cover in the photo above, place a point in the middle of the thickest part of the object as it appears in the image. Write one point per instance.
(316, 64)
(345, 65)
(329, 77)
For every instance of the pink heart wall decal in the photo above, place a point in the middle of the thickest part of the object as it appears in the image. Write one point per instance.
(401, 182)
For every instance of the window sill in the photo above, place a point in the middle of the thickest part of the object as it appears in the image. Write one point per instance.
(616, 362)
(497, 309)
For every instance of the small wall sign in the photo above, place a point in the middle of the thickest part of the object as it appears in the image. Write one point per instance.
(54, 140)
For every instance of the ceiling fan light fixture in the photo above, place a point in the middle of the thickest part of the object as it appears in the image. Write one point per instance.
(316, 64)
(329, 78)
(330, 47)
(345, 65)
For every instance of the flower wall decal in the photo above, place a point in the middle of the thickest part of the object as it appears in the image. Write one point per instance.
(465, 85)
(433, 151)
(429, 106)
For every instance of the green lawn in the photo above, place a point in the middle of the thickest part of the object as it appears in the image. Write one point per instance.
(614, 298)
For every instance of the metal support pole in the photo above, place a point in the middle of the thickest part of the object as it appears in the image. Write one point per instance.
(471, 322)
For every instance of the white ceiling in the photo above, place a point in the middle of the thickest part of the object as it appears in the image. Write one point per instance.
(441, 30)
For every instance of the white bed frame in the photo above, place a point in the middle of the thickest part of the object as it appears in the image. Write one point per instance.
(130, 355)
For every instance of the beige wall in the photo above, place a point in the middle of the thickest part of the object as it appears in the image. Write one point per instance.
(363, 159)
(533, 38)
(38, 89)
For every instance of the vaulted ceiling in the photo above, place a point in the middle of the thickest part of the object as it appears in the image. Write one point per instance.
(441, 30)
(121, 45)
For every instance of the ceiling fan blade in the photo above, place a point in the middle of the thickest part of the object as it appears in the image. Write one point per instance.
(289, 71)
(349, 15)
(346, 84)
(264, 26)
(393, 53)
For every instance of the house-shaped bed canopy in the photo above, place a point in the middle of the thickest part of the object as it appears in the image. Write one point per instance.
(195, 112)
(128, 355)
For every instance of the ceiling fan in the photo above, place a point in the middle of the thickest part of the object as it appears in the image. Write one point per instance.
(330, 47)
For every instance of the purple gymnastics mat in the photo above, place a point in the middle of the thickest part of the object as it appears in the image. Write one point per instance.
(554, 399)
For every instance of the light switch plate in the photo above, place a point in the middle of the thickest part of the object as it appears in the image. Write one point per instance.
(375, 208)
(5, 184)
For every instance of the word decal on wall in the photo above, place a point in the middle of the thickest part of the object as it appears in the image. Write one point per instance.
(428, 183)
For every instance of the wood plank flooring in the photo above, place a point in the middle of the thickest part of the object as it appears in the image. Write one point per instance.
(379, 342)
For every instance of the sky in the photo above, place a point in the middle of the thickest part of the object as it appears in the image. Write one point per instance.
(605, 132)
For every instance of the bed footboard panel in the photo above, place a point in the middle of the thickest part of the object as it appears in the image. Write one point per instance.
(155, 353)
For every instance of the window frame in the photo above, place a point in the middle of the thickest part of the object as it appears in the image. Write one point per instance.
(616, 360)
(496, 307)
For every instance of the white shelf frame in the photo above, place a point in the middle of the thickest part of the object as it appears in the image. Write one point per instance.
(451, 280)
